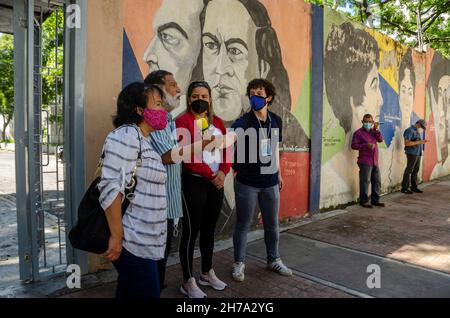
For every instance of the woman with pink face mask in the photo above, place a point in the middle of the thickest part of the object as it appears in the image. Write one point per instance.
(138, 238)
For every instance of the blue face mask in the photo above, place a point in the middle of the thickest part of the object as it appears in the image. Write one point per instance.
(257, 102)
(367, 126)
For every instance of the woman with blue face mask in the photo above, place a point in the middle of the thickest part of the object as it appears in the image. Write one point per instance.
(365, 141)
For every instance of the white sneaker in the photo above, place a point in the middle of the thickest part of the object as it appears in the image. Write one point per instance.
(211, 280)
(191, 290)
(279, 267)
(238, 271)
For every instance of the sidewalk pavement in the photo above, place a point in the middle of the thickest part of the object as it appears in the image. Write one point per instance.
(333, 256)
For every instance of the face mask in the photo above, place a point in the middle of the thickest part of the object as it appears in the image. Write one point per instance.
(257, 102)
(420, 130)
(172, 102)
(367, 126)
(199, 106)
(155, 118)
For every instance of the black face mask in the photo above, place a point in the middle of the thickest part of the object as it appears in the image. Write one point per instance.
(199, 106)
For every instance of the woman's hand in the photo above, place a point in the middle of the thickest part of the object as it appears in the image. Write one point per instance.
(114, 248)
(219, 179)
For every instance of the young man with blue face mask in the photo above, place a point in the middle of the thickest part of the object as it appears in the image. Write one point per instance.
(258, 178)
(413, 149)
(365, 141)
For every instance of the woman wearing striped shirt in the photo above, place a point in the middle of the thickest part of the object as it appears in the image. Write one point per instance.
(138, 238)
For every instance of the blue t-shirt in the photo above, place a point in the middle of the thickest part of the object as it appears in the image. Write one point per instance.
(256, 169)
(412, 134)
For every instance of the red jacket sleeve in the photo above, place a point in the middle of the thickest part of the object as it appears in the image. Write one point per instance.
(197, 166)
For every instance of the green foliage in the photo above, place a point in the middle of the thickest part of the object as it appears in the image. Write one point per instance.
(400, 19)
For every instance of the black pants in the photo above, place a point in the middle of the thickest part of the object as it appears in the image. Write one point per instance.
(200, 214)
(410, 175)
(138, 277)
(369, 175)
(163, 262)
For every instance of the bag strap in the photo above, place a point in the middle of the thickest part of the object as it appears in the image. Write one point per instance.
(132, 185)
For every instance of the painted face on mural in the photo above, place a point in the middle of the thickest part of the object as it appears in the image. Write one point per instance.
(229, 56)
(406, 97)
(176, 44)
(372, 100)
(442, 106)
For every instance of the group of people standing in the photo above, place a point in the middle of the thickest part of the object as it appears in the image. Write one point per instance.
(365, 141)
(180, 167)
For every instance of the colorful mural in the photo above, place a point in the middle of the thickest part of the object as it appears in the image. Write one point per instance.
(228, 43)
(365, 72)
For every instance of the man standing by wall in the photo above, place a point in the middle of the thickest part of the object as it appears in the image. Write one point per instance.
(413, 149)
(365, 141)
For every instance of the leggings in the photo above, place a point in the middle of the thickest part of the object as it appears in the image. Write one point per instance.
(203, 202)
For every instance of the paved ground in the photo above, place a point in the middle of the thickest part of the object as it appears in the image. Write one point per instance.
(330, 254)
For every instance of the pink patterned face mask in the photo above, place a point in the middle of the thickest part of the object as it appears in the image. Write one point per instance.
(156, 118)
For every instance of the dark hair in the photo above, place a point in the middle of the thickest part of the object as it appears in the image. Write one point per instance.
(349, 56)
(407, 63)
(130, 98)
(191, 88)
(262, 83)
(157, 77)
(267, 48)
(439, 68)
(367, 116)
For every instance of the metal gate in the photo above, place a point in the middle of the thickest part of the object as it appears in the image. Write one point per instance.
(44, 137)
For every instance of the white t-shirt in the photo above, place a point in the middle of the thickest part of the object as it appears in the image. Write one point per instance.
(213, 158)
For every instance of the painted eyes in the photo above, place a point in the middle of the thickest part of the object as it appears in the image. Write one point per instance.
(169, 38)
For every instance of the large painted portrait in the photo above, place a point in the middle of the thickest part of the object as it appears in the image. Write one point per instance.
(228, 43)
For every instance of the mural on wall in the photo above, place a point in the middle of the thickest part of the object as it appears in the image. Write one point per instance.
(437, 162)
(228, 43)
(365, 72)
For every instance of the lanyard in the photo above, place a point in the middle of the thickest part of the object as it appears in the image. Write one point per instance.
(270, 127)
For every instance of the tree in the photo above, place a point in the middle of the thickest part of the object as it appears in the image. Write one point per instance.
(416, 23)
(6, 80)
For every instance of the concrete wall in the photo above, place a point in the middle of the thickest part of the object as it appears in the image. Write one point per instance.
(103, 83)
(368, 72)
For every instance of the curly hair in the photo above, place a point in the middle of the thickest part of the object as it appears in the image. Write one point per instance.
(262, 83)
(350, 54)
(130, 98)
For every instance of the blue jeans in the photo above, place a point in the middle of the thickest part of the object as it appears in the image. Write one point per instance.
(369, 175)
(138, 277)
(269, 202)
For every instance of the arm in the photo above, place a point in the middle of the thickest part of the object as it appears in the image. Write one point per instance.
(114, 217)
(378, 135)
(356, 142)
(409, 143)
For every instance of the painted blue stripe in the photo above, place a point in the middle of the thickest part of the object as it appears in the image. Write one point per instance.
(317, 107)
(130, 67)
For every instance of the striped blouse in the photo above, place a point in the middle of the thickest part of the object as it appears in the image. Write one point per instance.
(144, 222)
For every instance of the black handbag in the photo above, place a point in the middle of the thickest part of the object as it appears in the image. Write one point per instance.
(91, 232)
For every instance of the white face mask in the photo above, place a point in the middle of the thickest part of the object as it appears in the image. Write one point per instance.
(420, 130)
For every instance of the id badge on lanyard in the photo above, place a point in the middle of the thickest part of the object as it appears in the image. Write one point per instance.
(266, 148)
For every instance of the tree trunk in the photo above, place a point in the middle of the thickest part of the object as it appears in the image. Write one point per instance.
(5, 125)
(419, 27)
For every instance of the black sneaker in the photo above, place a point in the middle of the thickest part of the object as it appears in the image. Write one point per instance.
(366, 205)
(381, 205)
(407, 191)
(417, 190)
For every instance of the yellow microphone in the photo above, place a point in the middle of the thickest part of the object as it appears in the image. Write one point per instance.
(202, 124)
